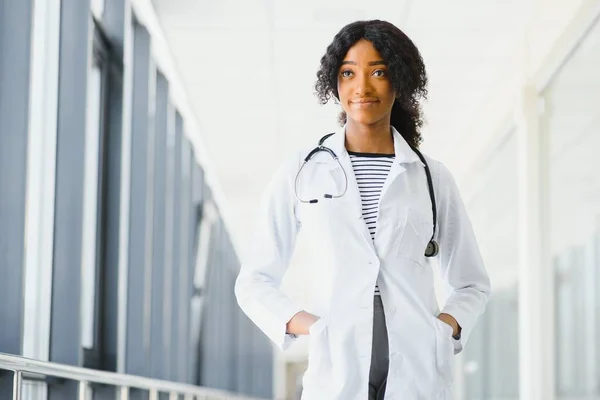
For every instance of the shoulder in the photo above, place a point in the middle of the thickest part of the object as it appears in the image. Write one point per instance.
(285, 170)
(443, 180)
(437, 168)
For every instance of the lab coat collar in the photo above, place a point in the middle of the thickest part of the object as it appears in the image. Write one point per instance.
(403, 153)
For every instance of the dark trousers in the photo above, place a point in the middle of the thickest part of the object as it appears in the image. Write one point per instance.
(379, 354)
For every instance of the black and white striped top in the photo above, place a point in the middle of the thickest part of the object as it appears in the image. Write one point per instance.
(371, 171)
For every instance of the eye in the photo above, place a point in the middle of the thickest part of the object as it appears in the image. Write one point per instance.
(380, 72)
(346, 73)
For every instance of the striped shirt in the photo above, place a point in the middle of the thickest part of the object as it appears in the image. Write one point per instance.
(371, 171)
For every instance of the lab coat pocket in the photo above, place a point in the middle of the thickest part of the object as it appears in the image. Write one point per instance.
(319, 360)
(413, 240)
(317, 327)
(315, 216)
(444, 350)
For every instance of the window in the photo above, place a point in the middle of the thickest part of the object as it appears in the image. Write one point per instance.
(92, 206)
(100, 209)
(571, 127)
(492, 357)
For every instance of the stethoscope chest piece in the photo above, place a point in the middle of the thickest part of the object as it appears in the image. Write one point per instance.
(432, 249)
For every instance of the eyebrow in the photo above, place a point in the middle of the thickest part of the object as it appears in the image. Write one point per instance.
(380, 62)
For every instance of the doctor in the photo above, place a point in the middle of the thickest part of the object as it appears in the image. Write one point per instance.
(376, 330)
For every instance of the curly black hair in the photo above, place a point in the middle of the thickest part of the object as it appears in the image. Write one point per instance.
(406, 72)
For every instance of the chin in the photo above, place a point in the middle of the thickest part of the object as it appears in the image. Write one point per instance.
(365, 119)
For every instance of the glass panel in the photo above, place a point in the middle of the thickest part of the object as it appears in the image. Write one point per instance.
(491, 358)
(571, 125)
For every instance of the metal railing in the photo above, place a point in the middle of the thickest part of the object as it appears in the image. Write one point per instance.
(121, 382)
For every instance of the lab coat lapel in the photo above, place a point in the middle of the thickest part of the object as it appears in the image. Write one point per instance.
(396, 170)
(403, 155)
(352, 193)
(353, 201)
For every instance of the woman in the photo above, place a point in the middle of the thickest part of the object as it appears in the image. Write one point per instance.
(376, 331)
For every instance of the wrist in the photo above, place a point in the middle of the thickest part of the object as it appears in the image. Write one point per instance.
(450, 320)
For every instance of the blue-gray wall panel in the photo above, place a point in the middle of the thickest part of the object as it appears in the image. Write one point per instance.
(184, 271)
(230, 273)
(169, 243)
(15, 36)
(136, 353)
(65, 327)
(160, 153)
(195, 209)
(175, 291)
(15, 47)
(245, 353)
(209, 351)
(234, 355)
(198, 182)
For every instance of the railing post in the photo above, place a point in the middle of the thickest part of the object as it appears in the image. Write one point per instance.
(123, 393)
(17, 381)
(173, 396)
(83, 389)
(153, 394)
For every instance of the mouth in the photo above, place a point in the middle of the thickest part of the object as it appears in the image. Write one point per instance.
(364, 103)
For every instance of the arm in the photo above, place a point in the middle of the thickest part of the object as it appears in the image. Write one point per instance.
(461, 265)
(274, 238)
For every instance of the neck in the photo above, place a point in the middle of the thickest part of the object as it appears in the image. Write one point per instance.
(376, 138)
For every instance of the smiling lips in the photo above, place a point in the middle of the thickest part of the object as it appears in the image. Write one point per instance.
(364, 102)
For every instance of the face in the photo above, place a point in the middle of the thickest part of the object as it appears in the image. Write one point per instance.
(365, 91)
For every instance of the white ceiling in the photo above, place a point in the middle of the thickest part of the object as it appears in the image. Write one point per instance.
(249, 68)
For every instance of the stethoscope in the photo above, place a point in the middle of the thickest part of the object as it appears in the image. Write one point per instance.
(432, 248)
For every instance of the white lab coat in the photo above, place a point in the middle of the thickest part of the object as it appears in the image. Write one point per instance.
(421, 346)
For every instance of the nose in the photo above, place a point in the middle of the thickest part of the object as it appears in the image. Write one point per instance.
(363, 85)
